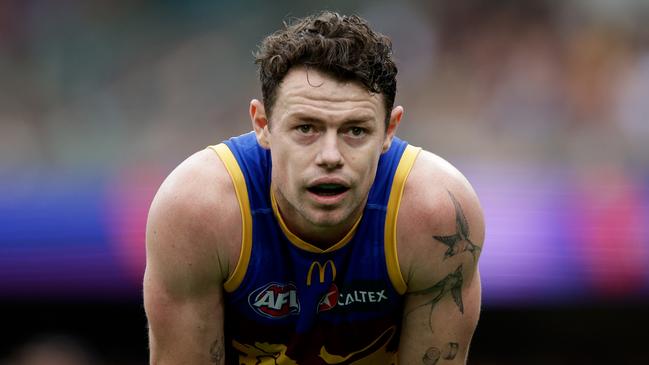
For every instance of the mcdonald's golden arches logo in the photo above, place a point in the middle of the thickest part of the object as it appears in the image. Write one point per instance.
(321, 271)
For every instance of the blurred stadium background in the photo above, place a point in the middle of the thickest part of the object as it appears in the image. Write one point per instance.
(544, 105)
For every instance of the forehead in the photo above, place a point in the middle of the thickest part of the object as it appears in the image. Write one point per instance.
(312, 91)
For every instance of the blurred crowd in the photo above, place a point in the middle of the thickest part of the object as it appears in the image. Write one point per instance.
(539, 81)
(102, 84)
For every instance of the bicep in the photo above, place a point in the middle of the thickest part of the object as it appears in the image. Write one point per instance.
(183, 291)
(439, 321)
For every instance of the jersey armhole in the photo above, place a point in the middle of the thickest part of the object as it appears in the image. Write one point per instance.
(398, 183)
(241, 190)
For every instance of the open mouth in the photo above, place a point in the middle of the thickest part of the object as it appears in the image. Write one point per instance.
(328, 189)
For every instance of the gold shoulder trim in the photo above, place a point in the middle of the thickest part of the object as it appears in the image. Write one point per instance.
(398, 183)
(239, 182)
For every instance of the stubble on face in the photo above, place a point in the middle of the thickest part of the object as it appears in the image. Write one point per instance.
(313, 139)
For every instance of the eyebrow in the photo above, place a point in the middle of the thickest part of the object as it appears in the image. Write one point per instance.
(358, 121)
(311, 119)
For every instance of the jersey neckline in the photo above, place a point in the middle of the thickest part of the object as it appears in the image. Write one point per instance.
(300, 243)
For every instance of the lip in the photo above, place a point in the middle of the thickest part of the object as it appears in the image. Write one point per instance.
(329, 180)
(328, 199)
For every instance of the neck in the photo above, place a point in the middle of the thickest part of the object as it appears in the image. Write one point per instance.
(320, 236)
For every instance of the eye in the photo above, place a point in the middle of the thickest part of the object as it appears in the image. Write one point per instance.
(357, 131)
(305, 128)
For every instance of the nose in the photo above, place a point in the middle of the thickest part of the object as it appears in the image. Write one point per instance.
(329, 156)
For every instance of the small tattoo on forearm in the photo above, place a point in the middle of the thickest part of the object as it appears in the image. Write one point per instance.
(459, 242)
(450, 351)
(431, 356)
(217, 351)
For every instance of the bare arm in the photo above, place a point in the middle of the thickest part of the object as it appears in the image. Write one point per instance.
(188, 241)
(445, 233)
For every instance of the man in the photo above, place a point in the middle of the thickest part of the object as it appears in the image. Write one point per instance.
(319, 238)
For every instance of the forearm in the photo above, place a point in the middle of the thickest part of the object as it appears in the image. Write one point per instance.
(186, 334)
(185, 329)
(421, 345)
(439, 328)
(184, 351)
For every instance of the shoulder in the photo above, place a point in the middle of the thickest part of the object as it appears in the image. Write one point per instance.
(432, 186)
(440, 221)
(195, 217)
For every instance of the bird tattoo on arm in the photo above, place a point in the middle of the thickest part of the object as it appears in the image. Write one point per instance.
(452, 284)
(459, 242)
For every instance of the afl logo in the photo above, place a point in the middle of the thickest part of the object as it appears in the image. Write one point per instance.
(275, 300)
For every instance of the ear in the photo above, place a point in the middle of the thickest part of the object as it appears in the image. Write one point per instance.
(260, 123)
(395, 119)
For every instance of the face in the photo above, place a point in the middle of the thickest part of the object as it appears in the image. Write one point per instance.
(326, 138)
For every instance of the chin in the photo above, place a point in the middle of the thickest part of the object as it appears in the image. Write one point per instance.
(328, 219)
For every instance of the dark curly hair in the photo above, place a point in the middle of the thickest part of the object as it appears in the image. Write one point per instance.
(344, 47)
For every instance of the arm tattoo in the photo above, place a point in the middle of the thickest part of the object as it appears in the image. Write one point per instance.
(452, 284)
(433, 354)
(217, 351)
(431, 357)
(451, 350)
(459, 242)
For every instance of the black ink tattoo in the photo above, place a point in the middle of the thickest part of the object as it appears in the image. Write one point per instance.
(431, 357)
(450, 351)
(433, 354)
(459, 242)
(452, 284)
(217, 351)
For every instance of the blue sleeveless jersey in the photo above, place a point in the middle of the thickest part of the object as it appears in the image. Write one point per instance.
(289, 302)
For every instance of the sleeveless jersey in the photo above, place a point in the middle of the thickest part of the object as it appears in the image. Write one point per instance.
(290, 302)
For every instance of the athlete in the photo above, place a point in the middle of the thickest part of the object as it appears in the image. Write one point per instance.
(319, 237)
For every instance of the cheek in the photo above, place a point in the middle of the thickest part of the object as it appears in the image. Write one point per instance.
(285, 171)
(366, 168)
(279, 171)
